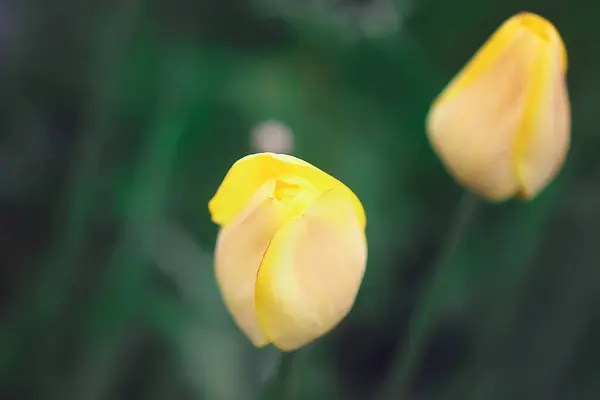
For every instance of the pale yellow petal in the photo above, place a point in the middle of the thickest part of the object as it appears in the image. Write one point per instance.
(239, 251)
(251, 172)
(473, 125)
(242, 243)
(311, 273)
(545, 132)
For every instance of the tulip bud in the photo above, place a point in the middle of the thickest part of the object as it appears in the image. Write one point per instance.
(291, 252)
(502, 125)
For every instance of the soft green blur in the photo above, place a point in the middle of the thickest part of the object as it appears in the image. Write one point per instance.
(119, 119)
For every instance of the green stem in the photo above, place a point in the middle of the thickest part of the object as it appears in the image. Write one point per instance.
(289, 390)
(283, 384)
(407, 358)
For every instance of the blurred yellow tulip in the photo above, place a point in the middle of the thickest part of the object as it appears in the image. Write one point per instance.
(291, 252)
(502, 125)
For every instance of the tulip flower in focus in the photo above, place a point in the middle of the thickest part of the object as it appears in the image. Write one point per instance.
(502, 126)
(291, 252)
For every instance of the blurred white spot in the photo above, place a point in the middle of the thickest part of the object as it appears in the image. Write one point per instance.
(379, 20)
(353, 19)
(272, 136)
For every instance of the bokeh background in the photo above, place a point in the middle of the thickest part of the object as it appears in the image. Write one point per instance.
(119, 119)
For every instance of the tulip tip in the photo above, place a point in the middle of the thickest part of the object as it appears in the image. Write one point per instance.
(537, 24)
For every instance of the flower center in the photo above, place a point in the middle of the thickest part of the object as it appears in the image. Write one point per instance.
(295, 193)
(285, 189)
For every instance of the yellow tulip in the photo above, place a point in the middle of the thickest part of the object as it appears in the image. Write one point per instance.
(502, 125)
(291, 251)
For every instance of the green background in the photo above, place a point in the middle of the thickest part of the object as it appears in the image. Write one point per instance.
(118, 121)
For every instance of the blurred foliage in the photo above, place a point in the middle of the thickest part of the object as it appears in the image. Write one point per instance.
(120, 118)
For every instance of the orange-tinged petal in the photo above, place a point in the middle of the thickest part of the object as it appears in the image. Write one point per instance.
(543, 141)
(311, 272)
(251, 172)
(489, 123)
(474, 131)
(524, 24)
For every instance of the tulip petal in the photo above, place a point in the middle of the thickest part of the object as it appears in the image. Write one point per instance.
(493, 126)
(473, 125)
(545, 133)
(495, 48)
(311, 272)
(239, 251)
(251, 172)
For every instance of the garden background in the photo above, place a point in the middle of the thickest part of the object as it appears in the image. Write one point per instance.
(119, 119)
